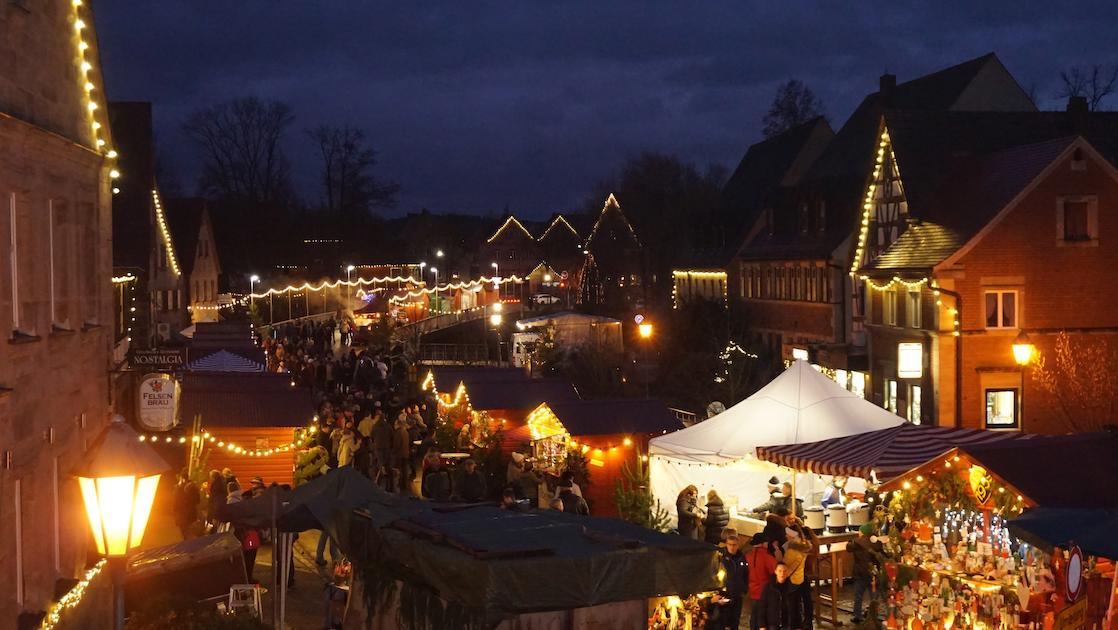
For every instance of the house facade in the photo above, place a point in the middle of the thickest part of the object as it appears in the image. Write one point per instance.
(793, 269)
(978, 228)
(56, 292)
(193, 232)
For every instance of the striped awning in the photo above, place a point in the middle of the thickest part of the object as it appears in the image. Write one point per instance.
(886, 452)
(224, 361)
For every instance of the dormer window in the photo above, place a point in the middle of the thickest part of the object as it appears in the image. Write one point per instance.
(1078, 160)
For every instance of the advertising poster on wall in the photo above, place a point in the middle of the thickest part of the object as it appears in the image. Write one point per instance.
(157, 402)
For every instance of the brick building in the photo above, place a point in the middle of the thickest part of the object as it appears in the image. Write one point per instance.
(979, 226)
(792, 268)
(55, 291)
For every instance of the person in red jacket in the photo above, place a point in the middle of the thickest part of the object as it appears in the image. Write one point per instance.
(762, 566)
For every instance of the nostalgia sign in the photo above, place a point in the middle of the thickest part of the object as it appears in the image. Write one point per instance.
(158, 402)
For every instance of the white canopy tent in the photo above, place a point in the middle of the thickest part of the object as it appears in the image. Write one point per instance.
(801, 405)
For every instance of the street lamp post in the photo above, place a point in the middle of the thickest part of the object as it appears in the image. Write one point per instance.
(645, 330)
(252, 280)
(435, 270)
(496, 278)
(118, 478)
(495, 320)
(349, 288)
(1023, 351)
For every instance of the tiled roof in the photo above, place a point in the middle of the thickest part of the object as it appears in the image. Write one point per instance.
(921, 246)
(244, 399)
(526, 394)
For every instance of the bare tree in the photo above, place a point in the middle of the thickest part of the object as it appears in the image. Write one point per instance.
(348, 183)
(240, 142)
(1079, 377)
(1094, 83)
(793, 104)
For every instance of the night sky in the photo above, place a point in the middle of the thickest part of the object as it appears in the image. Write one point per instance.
(475, 106)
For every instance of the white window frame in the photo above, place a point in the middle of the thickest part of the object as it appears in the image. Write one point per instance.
(914, 304)
(1092, 202)
(889, 307)
(891, 394)
(914, 400)
(1000, 305)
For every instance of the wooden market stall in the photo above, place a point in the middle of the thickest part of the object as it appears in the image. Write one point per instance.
(607, 434)
(947, 523)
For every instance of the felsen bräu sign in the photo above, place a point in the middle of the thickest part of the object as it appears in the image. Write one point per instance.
(157, 359)
(157, 401)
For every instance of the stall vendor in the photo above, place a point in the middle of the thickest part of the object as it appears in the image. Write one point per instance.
(835, 493)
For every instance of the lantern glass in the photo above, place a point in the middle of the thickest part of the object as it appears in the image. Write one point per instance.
(1022, 353)
(118, 509)
(645, 330)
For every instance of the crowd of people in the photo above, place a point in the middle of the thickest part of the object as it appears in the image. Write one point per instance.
(772, 571)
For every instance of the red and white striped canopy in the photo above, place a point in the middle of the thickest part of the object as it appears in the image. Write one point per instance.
(887, 452)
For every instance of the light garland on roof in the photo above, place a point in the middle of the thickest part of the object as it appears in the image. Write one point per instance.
(867, 206)
(557, 220)
(125, 279)
(510, 220)
(161, 219)
(85, 69)
(72, 598)
(689, 274)
(908, 284)
(543, 424)
(611, 200)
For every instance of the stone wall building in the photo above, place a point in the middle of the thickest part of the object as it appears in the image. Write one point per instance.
(55, 291)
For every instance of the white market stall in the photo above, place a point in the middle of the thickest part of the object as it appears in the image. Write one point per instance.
(801, 405)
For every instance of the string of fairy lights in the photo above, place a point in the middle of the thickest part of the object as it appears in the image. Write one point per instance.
(230, 447)
(72, 597)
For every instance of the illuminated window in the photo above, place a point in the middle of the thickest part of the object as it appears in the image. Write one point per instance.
(913, 307)
(1001, 309)
(891, 395)
(858, 383)
(1001, 408)
(889, 307)
(914, 404)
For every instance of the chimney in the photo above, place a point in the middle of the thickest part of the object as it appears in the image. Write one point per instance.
(886, 85)
(1077, 113)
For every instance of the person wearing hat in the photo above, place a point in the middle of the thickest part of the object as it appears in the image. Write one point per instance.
(867, 557)
(761, 565)
(514, 470)
(835, 493)
(471, 482)
(255, 488)
(572, 503)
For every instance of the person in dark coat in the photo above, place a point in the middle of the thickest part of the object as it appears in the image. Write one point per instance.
(726, 613)
(215, 512)
(867, 557)
(779, 607)
(401, 457)
(688, 513)
(717, 518)
(436, 480)
(187, 498)
(572, 503)
(528, 485)
(471, 483)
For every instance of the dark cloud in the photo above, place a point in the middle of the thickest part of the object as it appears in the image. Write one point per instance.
(474, 105)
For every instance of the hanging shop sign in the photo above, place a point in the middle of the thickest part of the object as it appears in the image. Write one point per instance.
(981, 484)
(157, 402)
(157, 359)
(910, 360)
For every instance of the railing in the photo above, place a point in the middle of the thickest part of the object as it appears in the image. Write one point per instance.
(455, 353)
(686, 418)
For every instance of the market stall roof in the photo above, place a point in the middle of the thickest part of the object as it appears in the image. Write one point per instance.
(506, 563)
(244, 399)
(1073, 471)
(1092, 529)
(609, 417)
(800, 405)
(309, 506)
(887, 452)
(224, 361)
(182, 555)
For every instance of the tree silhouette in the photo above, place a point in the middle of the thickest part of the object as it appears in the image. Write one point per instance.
(793, 104)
